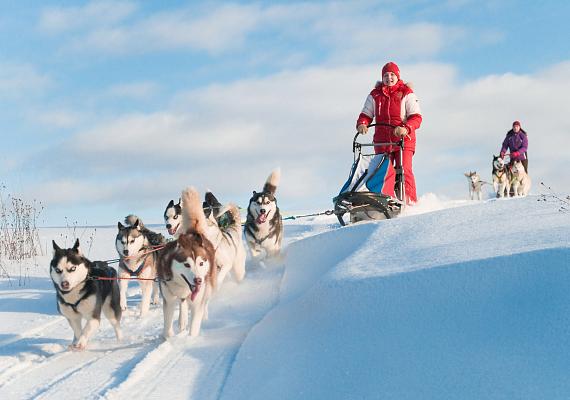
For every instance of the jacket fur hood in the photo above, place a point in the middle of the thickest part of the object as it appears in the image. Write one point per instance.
(410, 85)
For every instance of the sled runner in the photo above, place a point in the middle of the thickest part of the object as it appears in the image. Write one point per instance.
(362, 196)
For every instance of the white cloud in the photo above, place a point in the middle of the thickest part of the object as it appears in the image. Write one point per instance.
(94, 14)
(21, 79)
(347, 32)
(59, 118)
(136, 90)
(213, 30)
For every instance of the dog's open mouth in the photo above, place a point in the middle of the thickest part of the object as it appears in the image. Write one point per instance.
(194, 288)
(261, 218)
(172, 231)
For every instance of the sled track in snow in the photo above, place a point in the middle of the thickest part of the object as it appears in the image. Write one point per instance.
(32, 332)
(60, 379)
(143, 365)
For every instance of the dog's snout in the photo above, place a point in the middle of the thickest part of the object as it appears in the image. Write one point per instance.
(126, 252)
(262, 211)
(65, 285)
(168, 226)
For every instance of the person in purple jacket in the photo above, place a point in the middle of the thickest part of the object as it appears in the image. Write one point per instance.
(516, 142)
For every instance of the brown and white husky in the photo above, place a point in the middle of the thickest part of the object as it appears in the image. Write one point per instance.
(187, 269)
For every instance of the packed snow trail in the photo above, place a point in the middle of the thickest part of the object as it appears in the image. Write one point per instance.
(35, 363)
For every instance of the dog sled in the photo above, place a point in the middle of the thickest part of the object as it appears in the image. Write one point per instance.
(362, 196)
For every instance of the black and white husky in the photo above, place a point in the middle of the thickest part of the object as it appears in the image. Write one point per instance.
(81, 296)
(187, 269)
(173, 213)
(501, 177)
(263, 227)
(172, 218)
(135, 246)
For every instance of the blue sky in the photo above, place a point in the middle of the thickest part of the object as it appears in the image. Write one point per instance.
(108, 108)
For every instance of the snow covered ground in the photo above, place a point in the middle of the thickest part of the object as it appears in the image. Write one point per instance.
(454, 300)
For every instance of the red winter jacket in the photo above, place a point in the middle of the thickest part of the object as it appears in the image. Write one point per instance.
(395, 105)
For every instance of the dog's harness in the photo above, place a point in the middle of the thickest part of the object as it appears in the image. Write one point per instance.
(499, 172)
(74, 305)
(260, 241)
(138, 271)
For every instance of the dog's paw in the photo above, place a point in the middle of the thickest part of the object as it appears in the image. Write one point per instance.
(79, 346)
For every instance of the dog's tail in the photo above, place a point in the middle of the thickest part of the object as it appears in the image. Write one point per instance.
(193, 218)
(272, 181)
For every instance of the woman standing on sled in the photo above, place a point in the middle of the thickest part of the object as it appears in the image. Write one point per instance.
(393, 102)
(516, 142)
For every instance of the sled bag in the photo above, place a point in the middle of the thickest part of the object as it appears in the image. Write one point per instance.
(368, 174)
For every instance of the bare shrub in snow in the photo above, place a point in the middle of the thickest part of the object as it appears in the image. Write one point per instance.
(19, 237)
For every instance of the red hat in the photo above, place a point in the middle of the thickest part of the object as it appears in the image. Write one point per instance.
(517, 123)
(391, 67)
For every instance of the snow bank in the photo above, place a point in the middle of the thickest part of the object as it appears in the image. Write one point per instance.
(364, 313)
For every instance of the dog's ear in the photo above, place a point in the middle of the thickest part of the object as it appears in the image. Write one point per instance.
(179, 201)
(55, 246)
(76, 247)
(171, 204)
(136, 225)
(254, 192)
(120, 226)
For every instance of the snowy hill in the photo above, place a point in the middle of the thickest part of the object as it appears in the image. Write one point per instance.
(470, 301)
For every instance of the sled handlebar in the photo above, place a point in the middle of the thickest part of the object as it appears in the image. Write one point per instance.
(357, 145)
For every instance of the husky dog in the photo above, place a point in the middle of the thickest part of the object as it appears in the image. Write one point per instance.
(223, 230)
(187, 269)
(475, 184)
(172, 218)
(173, 213)
(80, 295)
(501, 177)
(263, 228)
(520, 181)
(137, 259)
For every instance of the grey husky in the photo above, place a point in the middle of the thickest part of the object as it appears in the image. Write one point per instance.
(136, 246)
(263, 227)
(475, 185)
(80, 295)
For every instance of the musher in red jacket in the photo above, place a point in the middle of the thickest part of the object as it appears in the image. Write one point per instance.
(393, 102)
